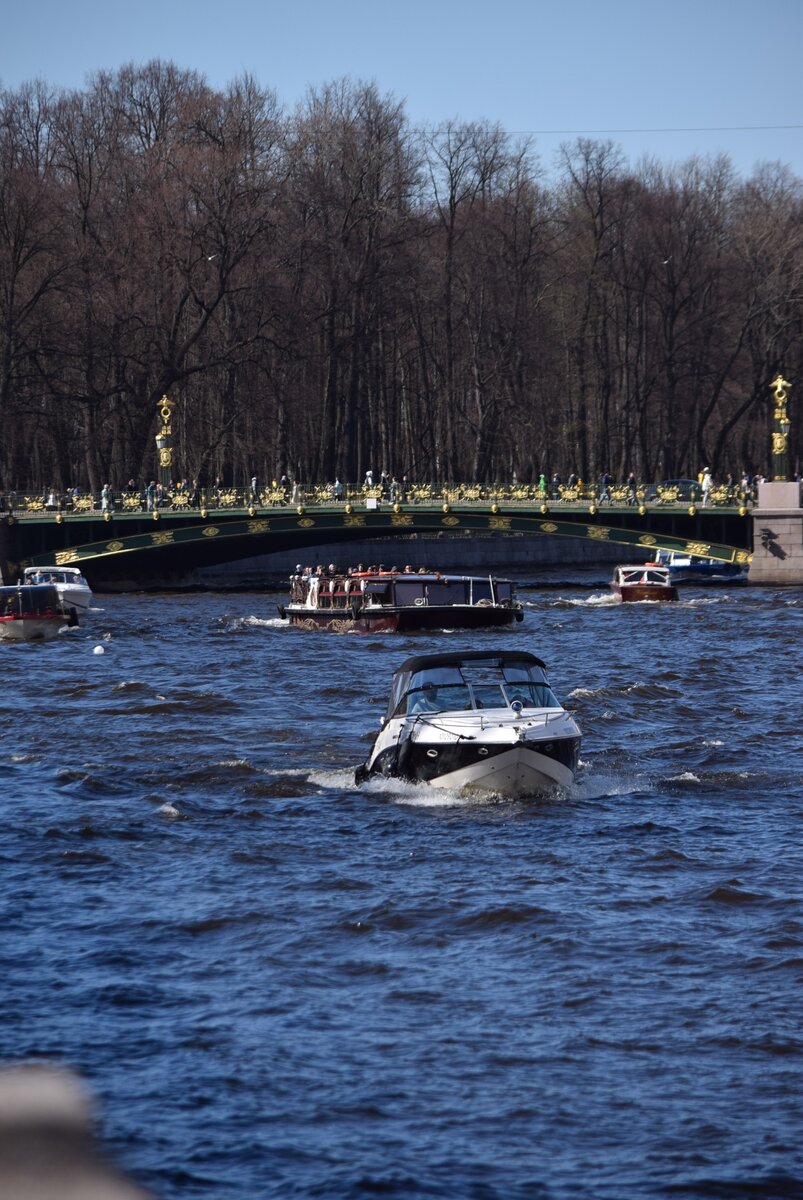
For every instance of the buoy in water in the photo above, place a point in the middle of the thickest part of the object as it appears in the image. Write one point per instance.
(98, 650)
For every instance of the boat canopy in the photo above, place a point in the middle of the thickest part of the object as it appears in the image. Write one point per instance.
(35, 575)
(29, 601)
(454, 682)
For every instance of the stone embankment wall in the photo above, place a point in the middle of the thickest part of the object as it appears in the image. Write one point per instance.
(778, 535)
(472, 555)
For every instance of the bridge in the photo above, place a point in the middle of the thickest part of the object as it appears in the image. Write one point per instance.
(130, 547)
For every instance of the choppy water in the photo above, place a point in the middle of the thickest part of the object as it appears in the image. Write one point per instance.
(282, 986)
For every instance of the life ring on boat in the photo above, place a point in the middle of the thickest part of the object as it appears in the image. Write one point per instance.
(484, 603)
(419, 601)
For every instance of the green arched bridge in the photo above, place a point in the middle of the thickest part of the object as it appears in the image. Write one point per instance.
(122, 548)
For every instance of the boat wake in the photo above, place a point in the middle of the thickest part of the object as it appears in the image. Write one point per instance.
(595, 600)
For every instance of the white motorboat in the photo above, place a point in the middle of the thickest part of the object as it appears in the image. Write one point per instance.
(486, 721)
(33, 613)
(686, 568)
(72, 587)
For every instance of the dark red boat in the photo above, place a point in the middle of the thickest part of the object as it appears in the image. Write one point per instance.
(643, 581)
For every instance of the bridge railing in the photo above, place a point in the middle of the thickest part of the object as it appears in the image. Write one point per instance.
(186, 499)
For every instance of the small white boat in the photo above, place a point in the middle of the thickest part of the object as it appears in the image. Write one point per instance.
(72, 587)
(684, 568)
(643, 581)
(486, 721)
(33, 613)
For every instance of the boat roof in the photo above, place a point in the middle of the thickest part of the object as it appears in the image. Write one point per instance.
(424, 576)
(51, 567)
(423, 662)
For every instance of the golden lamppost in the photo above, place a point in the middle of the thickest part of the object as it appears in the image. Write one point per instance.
(780, 433)
(164, 443)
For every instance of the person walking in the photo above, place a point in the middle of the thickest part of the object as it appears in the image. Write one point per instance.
(707, 484)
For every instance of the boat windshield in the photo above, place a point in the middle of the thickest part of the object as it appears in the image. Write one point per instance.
(34, 575)
(645, 574)
(472, 686)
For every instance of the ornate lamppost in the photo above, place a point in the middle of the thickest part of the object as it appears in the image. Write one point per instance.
(164, 443)
(780, 433)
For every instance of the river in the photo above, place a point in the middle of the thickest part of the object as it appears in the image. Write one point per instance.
(280, 985)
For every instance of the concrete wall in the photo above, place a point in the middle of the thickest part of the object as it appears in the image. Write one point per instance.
(471, 555)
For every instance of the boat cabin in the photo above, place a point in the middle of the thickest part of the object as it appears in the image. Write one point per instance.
(451, 682)
(29, 601)
(398, 590)
(34, 575)
(642, 574)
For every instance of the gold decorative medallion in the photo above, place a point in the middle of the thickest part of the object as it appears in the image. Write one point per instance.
(352, 519)
(162, 539)
(743, 556)
(306, 523)
(703, 549)
(113, 547)
(259, 526)
(548, 527)
(450, 521)
(66, 556)
(501, 523)
(211, 531)
(401, 518)
(647, 539)
(598, 533)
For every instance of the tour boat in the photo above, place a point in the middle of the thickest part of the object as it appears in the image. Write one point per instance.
(486, 721)
(32, 613)
(643, 581)
(72, 587)
(684, 568)
(399, 601)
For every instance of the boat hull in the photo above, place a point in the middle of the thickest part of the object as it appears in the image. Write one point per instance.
(31, 629)
(638, 592)
(402, 619)
(522, 768)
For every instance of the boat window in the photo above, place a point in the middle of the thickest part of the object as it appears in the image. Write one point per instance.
(451, 591)
(523, 673)
(447, 698)
(489, 695)
(532, 695)
(408, 591)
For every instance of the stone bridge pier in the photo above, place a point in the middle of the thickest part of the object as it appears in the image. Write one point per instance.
(778, 535)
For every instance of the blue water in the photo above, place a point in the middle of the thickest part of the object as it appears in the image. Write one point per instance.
(278, 985)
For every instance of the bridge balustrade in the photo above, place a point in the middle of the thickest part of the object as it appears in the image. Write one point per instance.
(322, 495)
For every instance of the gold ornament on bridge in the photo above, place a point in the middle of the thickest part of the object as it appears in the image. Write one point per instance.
(780, 434)
(780, 385)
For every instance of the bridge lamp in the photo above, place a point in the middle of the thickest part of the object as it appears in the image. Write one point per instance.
(780, 434)
(164, 443)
